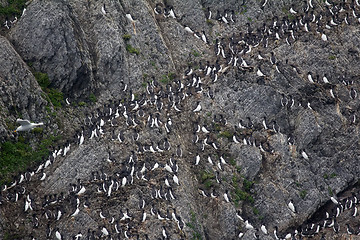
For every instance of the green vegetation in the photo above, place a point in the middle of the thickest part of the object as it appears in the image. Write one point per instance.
(15, 7)
(17, 156)
(303, 194)
(193, 225)
(232, 162)
(330, 191)
(256, 211)
(332, 57)
(11, 235)
(291, 17)
(241, 194)
(249, 19)
(126, 37)
(92, 98)
(145, 76)
(225, 134)
(165, 79)
(209, 22)
(195, 53)
(82, 104)
(56, 97)
(53, 95)
(207, 179)
(244, 9)
(38, 130)
(42, 79)
(217, 127)
(131, 49)
(327, 176)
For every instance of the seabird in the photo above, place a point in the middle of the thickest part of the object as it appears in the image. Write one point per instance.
(57, 234)
(128, 16)
(158, 9)
(198, 107)
(188, 29)
(103, 10)
(197, 160)
(26, 125)
(272, 58)
(203, 37)
(263, 3)
(310, 77)
(248, 225)
(226, 197)
(334, 200)
(291, 206)
(323, 37)
(263, 229)
(172, 14)
(208, 13)
(304, 155)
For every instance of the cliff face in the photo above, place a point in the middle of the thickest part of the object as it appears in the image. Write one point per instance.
(278, 119)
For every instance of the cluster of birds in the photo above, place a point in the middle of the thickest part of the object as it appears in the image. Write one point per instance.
(147, 124)
(347, 205)
(10, 23)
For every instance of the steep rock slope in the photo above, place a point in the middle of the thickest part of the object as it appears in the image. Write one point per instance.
(265, 138)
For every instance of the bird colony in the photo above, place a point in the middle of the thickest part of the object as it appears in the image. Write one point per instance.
(137, 194)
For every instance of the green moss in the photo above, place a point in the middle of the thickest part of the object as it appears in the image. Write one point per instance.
(330, 191)
(56, 97)
(303, 194)
(131, 49)
(165, 79)
(145, 76)
(209, 22)
(126, 37)
(232, 162)
(42, 79)
(241, 194)
(14, 8)
(208, 184)
(225, 134)
(205, 175)
(332, 57)
(195, 53)
(38, 130)
(171, 76)
(291, 17)
(17, 156)
(247, 184)
(82, 104)
(194, 226)
(92, 98)
(217, 127)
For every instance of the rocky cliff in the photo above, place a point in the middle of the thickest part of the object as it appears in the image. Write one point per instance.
(180, 120)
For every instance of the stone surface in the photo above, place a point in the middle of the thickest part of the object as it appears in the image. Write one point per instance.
(84, 51)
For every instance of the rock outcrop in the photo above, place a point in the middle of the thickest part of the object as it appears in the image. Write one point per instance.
(277, 85)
